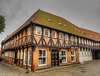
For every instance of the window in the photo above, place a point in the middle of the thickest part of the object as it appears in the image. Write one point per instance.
(66, 36)
(85, 41)
(25, 57)
(46, 32)
(6, 53)
(21, 54)
(10, 54)
(75, 39)
(17, 37)
(42, 57)
(29, 31)
(85, 54)
(82, 54)
(29, 57)
(72, 38)
(82, 41)
(73, 56)
(79, 40)
(64, 57)
(61, 36)
(53, 34)
(38, 30)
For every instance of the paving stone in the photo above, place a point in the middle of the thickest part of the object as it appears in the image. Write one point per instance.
(89, 69)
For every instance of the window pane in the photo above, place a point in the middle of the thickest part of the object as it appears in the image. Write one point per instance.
(44, 60)
(40, 53)
(72, 52)
(44, 53)
(40, 61)
(73, 58)
(63, 59)
(47, 32)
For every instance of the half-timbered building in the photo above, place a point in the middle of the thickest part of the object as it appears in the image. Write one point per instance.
(46, 40)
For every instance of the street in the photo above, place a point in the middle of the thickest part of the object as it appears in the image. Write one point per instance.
(91, 68)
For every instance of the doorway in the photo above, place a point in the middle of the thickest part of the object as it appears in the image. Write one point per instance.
(15, 60)
(54, 57)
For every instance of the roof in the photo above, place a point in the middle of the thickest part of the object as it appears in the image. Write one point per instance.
(41, 17)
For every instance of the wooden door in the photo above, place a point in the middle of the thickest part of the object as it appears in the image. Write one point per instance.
(54, 57)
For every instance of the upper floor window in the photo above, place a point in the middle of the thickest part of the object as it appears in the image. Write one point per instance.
(38, 30)
(79, 40)
(17, 37)
(53, 34)
(46, 32)
(66, 36)
(82, 41)
(29, 31)
(61, 36)
(72, 38)
(75, 39)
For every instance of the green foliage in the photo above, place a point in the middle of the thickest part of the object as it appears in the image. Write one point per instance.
(2, 23)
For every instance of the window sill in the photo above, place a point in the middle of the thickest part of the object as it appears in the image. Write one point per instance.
(42, 65)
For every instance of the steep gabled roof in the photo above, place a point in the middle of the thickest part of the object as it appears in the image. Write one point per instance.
(42, 17)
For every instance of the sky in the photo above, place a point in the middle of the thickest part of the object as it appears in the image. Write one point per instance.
(83, 13)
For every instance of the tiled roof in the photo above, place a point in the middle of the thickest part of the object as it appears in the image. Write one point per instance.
(59, 23)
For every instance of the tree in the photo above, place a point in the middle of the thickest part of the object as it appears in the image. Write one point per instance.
(2, 23)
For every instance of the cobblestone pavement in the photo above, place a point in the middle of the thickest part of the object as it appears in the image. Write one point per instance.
(89, 69)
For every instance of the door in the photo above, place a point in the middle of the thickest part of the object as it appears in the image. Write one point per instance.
(54, 57)
(15, 61)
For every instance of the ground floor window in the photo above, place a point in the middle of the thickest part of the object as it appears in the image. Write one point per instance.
(73, 56)
(64, 56)
(25, 57)
(29, 57)
(21, 54)
(42, 57)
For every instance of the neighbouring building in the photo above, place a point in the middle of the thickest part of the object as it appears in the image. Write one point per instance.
(46, 40)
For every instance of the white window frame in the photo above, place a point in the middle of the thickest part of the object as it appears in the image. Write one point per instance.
(42, 57)
(66, 36)
(10, 54)
(61, 35)
(79, 40)
(73, 55)
(25, 54)
(75, 39)
(65, 56)
(30, 50)
(72, 38)
(53, 34)
(38, 29)
(45, 30)
(29, 31)
(21, 54)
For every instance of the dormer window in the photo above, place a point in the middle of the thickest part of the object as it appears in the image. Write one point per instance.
(49, 20)
(65, 25)
(75, 28)
(91, 36)
(97, 37)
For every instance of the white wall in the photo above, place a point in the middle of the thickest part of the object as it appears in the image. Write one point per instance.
(85, 55)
